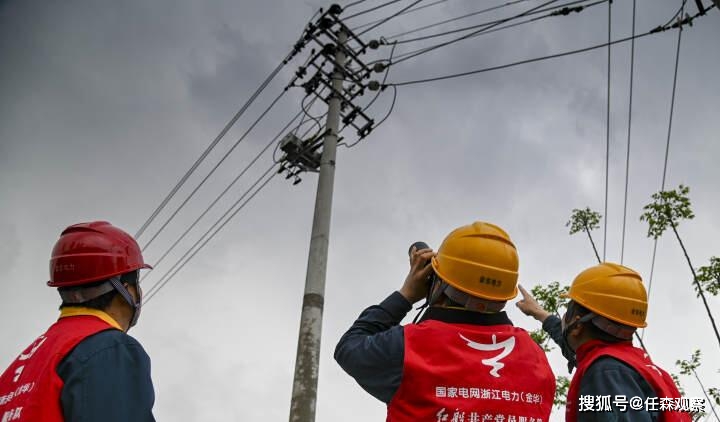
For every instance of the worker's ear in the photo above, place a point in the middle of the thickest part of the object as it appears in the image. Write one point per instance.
(578, 329)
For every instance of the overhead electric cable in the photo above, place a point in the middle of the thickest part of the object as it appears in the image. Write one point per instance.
(390, 17)
(490, 31)
(177, 267)
(222, 194)
(607, 133)
(306, 110)
(392, 106)
(385, 76)
(627, 158)
(484, 28)
(401, 14)
(372, 9)
(467, 15)
(537, 59)
(464, 37)
(215, 141)
(217, 165)
(667, 143)
(355, 3)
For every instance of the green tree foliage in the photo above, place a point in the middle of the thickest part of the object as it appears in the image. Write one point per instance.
(678, 384)
(666, 210)
(715, 394)
(689, 367)
(709, 277)
(585, 220)
(549, 299)
(563, 384)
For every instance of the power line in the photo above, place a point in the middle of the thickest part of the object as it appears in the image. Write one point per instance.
(401, 14)
(464, 37)
(667, 144)
(387, 72)
(392, 106)
(390, 17)
(562, 9)
(217, 165)
(627, 159)
(355, 3)
(607, 132)
(372, 101)
(372, 9)
(177, 267)
(496, 29)
(538, 59)
(467, 15)
(505, 66)
(305, 109)
(212, 145)
(222, 194)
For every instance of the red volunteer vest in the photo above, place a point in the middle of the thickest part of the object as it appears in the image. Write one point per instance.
(660, 381)
(472, 373)
(30, 387)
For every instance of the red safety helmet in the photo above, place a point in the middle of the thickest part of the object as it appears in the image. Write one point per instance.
(90, 252)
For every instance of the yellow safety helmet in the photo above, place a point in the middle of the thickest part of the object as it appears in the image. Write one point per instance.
(613, 291)
(480, 260)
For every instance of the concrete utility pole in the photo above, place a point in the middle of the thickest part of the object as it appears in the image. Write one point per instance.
(304, 393)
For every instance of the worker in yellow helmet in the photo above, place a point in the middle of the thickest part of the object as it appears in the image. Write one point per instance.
(464, 360)
(608, 303)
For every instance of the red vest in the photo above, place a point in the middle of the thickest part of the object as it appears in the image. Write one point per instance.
(660, 381)
(30, 387)
(471, 373)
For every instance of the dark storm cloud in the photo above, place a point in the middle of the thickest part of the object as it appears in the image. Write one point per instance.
(106, 104)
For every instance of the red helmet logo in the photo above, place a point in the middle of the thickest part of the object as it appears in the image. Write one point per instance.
(90, 252)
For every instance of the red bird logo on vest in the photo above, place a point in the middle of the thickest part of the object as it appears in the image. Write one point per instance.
(506, 346)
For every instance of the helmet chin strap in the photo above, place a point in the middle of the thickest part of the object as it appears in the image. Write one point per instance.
(115, 281)
(432, 295)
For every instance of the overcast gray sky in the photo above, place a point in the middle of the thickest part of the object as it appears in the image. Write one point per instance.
(104, 105)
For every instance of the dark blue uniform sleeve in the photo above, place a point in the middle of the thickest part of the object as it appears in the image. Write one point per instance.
(372, 350)
(553, 326)
(107, 378)
(608, 376)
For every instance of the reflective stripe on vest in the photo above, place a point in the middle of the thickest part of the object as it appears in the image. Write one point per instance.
(659, 380)
(30, 387)
(469, 372)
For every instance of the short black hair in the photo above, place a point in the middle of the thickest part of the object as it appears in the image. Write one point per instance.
(593, 330)
(103, 301)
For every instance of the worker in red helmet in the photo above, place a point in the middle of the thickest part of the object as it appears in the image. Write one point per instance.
(85, 367)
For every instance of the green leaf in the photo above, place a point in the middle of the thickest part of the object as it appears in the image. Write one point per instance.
(540, 337)
(667, 210)
(583, 220)
(715, 394)
(709, 277)
(687, 367)
(678, 385)
(549, 296)
(563, 384)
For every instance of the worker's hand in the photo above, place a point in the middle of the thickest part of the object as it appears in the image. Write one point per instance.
(416, 283)
(529, 306)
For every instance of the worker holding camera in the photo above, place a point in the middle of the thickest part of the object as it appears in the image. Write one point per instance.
(464, 360)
